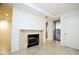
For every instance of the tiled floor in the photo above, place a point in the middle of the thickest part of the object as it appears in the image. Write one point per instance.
(52, 48)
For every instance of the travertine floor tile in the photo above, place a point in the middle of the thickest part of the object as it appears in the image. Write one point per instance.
(52, 48)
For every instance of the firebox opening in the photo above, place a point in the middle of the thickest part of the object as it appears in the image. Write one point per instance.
(33, 40)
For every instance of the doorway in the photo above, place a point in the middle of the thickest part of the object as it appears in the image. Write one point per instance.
(57, 30)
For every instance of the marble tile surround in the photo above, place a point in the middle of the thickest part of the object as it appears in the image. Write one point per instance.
(24, 37)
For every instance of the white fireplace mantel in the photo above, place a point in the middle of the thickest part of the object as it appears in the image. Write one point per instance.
(24, 37)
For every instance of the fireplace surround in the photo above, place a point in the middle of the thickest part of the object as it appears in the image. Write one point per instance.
(29, 36)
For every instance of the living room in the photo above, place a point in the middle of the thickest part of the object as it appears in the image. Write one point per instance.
(18, 21)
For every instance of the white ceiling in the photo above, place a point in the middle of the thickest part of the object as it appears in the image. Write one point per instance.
(56, 9)
(28, 9)
(48, 9)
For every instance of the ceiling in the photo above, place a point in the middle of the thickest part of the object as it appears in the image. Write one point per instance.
(56, 9)
(48, 9)
(27, 8)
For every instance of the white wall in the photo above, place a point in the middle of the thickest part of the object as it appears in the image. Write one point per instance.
(50, 30)
(70, 29)
(24, 20)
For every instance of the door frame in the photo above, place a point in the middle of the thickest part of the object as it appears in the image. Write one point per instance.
(55, 28)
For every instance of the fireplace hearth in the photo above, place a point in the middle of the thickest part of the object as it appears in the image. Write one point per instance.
(33, 39)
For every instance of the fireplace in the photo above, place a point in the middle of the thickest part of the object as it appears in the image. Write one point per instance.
(33, 39)
(30, 38)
